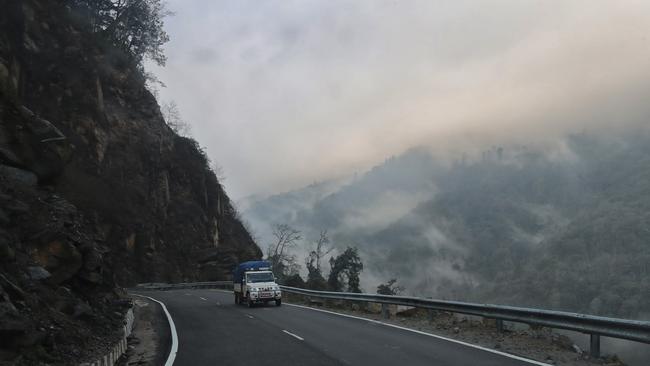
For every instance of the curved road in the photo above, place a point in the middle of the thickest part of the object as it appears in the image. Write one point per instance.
(212, 330)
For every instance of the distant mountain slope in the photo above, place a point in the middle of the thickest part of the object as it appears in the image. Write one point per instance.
(540, 227)
(371, 200)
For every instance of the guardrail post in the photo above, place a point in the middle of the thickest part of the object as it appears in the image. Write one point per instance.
(594, 345)
(499, 324)
(385, 311)
(432, 315)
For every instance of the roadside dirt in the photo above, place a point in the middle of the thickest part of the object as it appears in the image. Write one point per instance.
(150, 340)
(539, 344)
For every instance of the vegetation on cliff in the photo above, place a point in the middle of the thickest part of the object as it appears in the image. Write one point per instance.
(97, 192)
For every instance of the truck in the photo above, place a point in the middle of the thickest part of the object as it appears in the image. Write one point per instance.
(254, 283)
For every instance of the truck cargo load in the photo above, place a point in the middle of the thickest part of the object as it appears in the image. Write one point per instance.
(242, 268)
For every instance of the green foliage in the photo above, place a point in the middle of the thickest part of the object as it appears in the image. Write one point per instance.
(133, 26)
(317, 283)
(315, 279)
(390, 288)
(345, 268)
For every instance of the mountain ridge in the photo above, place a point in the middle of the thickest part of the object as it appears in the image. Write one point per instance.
(489, 223)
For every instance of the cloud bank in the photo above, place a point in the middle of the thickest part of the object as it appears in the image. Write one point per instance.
(284, 93)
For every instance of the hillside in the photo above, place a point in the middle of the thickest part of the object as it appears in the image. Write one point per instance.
(562, 227)
(97, 192)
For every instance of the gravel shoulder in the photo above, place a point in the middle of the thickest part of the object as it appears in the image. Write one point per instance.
(150, 340)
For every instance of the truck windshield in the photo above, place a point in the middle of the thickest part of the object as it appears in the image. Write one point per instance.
(259, 277)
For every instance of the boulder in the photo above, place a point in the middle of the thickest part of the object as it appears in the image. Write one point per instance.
(44, 149)
(38, 273)
(60, 258)
(17, 177)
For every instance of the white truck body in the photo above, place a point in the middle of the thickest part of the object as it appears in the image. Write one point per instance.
(257, 287)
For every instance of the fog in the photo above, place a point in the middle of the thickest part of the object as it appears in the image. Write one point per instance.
(532, 184)
(285, 93)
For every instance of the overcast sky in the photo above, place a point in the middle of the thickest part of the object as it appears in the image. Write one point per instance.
(284, 93)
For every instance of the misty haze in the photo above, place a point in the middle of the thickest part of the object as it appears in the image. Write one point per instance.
(311, 182)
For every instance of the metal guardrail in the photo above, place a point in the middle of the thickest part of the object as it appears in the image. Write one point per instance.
(595, 326)
(157, 286)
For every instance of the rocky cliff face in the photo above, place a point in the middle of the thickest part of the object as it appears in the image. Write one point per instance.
(96, 191)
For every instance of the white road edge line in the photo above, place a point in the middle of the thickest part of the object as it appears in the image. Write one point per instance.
(172, 329)
(426, 334)
(293, 335)
(203, 298)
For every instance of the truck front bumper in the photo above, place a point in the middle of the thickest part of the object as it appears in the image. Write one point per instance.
(264, 296)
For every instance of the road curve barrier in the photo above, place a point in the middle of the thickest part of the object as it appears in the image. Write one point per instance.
(595, 326)
(119, 348)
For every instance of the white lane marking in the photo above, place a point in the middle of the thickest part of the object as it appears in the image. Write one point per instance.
(250, 316)
(218, 303)
(172, 329)
(293, 335)
(203, 298)
(426, 334)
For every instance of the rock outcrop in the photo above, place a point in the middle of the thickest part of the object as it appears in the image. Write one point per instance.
(96, 191)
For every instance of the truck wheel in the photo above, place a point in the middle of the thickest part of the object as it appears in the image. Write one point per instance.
(278, 302)
(249, 301)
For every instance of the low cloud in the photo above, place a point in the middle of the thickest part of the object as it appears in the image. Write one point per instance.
(284, 93)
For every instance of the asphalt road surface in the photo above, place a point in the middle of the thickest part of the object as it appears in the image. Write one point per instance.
(212, 330)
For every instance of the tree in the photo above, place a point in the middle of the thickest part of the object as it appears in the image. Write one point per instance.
(315, 279)
(345, 268)
(283, 263)
(219, 172)
(173, 118)
(134, 26)
(390, 288)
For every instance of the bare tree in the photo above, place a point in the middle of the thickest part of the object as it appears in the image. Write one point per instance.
(173, 118)
(321, 249)
(284, 264)
(219, 172)
(315, 279)
(286, 237)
